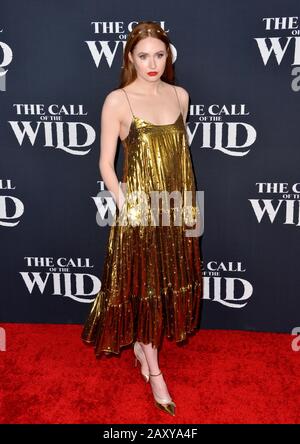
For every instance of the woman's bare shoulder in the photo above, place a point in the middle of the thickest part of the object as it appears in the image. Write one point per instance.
(182, 91)
(114, 103)
(115, 97)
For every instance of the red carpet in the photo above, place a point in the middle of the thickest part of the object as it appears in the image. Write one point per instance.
(49, 376)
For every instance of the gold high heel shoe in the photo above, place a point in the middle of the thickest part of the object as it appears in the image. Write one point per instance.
(163, 404)
(140, 355)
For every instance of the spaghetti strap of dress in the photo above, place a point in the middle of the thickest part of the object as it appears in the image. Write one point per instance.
(128, 101)
(178, 100)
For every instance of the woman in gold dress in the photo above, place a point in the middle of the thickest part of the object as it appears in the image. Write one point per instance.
(152, 280)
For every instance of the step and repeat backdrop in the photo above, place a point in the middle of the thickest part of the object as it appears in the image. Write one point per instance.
(240, 63)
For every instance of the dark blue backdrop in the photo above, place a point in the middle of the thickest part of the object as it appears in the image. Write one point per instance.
(240, 63)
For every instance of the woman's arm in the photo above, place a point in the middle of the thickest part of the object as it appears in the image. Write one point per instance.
(110, 129)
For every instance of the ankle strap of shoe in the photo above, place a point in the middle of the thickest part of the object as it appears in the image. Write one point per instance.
(156, 375)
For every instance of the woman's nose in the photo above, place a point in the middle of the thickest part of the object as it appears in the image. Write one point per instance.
(152, 64)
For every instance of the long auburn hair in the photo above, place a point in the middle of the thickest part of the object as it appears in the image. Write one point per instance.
(141, 31)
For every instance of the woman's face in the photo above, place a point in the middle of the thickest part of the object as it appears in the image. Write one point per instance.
(149, 56)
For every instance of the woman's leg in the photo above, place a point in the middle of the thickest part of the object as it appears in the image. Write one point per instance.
(157, 383)
(152, 357)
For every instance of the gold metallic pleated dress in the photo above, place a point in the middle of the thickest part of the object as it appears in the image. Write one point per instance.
(152, 282)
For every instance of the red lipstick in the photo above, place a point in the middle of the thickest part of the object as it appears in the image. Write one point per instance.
(152, 73)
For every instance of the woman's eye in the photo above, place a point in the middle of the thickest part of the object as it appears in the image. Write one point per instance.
(159, 55)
